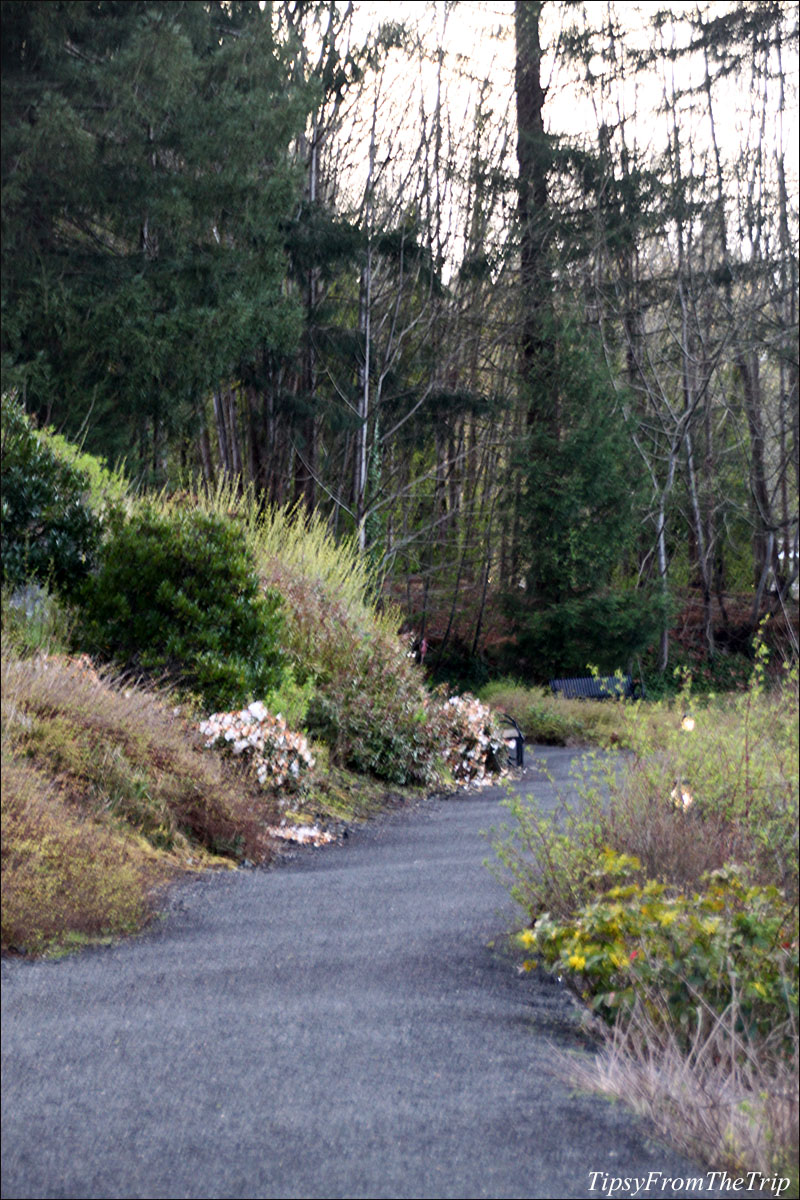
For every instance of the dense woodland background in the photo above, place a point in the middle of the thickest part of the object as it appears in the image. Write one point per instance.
(506, 292)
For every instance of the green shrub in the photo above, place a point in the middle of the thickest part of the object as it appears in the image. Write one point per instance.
(372, 710)
(353, 684)
(633, 900)
(380, 721)
(48, 531)
(688, 957)
(176, 594)
(550, 861)
(290, 699)
(725, 671)
(738, 765)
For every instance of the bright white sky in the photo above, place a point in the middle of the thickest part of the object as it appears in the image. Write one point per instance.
(477, 37)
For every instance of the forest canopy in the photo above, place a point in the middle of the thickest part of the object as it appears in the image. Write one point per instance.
(506, 292)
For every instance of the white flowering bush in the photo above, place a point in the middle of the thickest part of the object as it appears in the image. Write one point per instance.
(466, 733)
(474, 748)
(280, 757)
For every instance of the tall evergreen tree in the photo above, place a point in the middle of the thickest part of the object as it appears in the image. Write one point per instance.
(581, 499)
(146, 178)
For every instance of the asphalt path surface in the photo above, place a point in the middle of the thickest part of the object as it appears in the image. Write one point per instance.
(337, 1026)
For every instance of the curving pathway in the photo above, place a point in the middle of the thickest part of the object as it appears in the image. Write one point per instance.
(334, 1027)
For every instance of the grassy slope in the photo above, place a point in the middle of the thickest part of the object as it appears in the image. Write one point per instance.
(107, 795)
(107, 792)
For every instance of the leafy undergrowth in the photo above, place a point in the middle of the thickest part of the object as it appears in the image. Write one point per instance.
(666, 898)
(315, 798)
(107, 795)
(335, 797)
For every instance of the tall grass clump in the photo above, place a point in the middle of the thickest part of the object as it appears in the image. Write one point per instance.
(722, 1099)
(292, 546)
(666, 897)
(369, 702)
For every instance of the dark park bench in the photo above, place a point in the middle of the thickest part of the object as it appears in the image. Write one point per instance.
(514, 739)
(595, 687)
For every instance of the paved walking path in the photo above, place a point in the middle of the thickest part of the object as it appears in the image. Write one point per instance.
(337, 1026)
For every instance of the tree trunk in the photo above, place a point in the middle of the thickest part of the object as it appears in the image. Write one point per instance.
(222, 436)
(233, 434)
(205, 456)
(532, 207)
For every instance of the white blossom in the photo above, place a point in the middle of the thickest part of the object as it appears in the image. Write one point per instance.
(279, 755)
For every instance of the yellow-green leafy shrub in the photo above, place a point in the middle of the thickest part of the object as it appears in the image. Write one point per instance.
(697, 952)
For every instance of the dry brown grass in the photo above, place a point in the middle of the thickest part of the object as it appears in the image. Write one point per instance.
(107, 793)
(125, 753)
(65, 876)
(672, 847)
(729, 1103)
